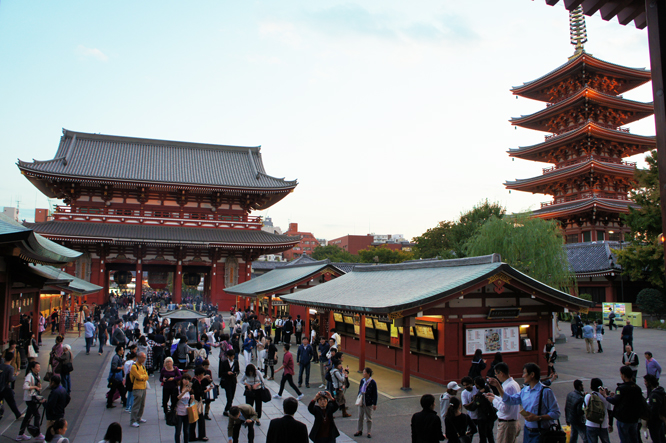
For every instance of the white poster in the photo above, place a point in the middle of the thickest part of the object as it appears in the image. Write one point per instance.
(492, 340)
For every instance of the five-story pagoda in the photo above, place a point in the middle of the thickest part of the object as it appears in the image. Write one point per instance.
(584, 116)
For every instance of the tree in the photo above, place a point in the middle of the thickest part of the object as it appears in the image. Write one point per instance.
(532, 245)
(384, 255)
(643, 258)
(447, 239)
(334, 253)
(652, 301)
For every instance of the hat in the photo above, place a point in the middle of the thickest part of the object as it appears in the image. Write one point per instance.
(453, 386)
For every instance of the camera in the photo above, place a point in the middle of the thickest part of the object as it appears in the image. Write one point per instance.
(322, 393)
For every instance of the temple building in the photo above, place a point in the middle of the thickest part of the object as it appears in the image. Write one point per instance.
(175, 211)
(586, 142)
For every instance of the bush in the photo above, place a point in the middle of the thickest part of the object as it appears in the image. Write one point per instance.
(652, 301)
(656, 325)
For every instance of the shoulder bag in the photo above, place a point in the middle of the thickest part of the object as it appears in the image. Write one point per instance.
(554, 434)
(264, 393)
(464, 438)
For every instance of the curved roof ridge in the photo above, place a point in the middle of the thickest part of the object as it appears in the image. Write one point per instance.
(467, 261)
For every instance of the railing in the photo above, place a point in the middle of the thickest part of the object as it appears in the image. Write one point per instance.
(584, 195)
(166, 217)
(616, 161)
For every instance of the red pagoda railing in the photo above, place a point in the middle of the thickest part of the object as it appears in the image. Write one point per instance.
(584, 195)
(616, 161)
(166, 217)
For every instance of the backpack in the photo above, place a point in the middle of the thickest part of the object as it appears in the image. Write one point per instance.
(299, 326)
(129, 385)
(595, 411)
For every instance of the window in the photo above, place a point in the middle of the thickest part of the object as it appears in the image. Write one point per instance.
(572, 238)
(613, 236)
(600, 235)
(587, 236)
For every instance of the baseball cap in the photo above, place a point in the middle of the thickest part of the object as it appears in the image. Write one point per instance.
(453, 385)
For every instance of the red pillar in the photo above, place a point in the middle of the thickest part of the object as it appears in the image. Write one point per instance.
(35, 313)
(138, 288)
(407, 323)
(178, 283)
(361, 357)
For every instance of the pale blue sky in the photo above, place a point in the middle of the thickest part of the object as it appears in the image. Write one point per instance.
(392, 115)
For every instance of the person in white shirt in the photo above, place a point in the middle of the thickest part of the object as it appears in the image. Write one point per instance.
(445, 399)
(337, 338)
(598, 431)
(467, 396)
(508, 425)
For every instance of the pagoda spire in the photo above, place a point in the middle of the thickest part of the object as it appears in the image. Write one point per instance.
(577, 29)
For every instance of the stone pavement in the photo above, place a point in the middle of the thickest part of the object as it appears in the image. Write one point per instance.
(97, 418)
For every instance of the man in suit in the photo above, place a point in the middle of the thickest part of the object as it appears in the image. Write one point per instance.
(287, 330)
(228, 372)
(426, 425)
(287, 429)
(238, 416)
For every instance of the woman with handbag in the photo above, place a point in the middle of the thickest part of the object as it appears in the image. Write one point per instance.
(183, 402)
(366, 401)
(32, 350)
(169, 377)
(254, 383)
(459, 427)
(200, 385)
(32, 387)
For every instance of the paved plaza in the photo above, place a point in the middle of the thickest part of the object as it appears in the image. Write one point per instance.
(89, 418)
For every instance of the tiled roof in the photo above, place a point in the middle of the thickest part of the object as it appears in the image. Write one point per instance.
(118, 232)
(592, 257)
(620, 205)
(618, 169)
(34, 248)
(279, 278)
(74, 284)
(260, 264)
(382, 289)
(117, 158)
(184, 314)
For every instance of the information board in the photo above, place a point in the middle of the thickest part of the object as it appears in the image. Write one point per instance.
(491, 340)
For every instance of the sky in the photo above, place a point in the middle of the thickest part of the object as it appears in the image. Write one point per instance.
(391, 115)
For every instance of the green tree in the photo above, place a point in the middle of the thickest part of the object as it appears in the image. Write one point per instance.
(643, 258)
(447, 239)
(334, 253)
(384, 255)
(652, 301)
(532, 245)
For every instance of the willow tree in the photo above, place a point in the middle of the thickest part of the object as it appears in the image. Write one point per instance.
(532, 245)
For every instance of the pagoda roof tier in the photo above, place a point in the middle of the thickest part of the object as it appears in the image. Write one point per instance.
(587, 202)
(536, 152)
(585, 167)
(98, 158)
(540, 120)
(534, 89)
(123, 233)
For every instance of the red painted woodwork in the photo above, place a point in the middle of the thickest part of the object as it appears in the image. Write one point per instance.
(361, 358)
(138, 280)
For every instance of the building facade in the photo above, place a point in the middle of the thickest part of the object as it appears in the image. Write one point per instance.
(306, 245)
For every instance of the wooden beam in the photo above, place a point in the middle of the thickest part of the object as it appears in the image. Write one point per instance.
(629, 13)
(656, 19)
(611, 9)
(590, 7)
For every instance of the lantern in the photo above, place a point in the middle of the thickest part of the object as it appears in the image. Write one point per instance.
(157, 279)
(660, 239)
(122, 278)
(191, 279)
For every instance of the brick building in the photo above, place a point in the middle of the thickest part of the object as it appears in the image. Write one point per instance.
(353, 243)
(306, 246)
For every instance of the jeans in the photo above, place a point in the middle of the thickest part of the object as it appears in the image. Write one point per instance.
(89, 342)
(485, 428)
(130, 400)
(31, 412)
(628, 432)
(530, 437)
(287, 378)
(102, 342)
(301, 368)
(253, 398)
(250, 432)
(182, 424)
(596, 434)
(66, 382)
(230, 390)
(8, 397)
(578, 429)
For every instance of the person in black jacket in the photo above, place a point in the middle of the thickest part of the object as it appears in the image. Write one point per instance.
(459, 426)
(287, 429)
(368, 389)
(323, 429)
(478, 364)
(200, 385)
(228, 372)
(426, 425)
(627, 404)
(656, 400)
(287, 330)
(7, 377)
(57, 401)
(485, 412)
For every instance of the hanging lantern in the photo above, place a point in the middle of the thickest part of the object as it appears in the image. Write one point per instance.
(122, 278)
(660, 239)
(157, 279)
(191, 279)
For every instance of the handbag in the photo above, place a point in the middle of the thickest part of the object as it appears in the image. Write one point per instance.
(68, 367)
(171, 417)
(193, 413)
(359, 400)
(264, 393)
(34, 430)
(554, 433)
(49, 373)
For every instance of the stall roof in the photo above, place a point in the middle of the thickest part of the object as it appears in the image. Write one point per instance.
(184, 314)
(384, 289)
(280, 278)
(71, 283)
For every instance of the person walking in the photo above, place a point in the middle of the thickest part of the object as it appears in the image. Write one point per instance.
(598, 416)
(367, 391)
(288, 374)
(627, 401)
(248, 347)
(630, 359)
(599, 334)
(253, 382)
(478, 365)
(573, 412)
(55, 405)
(539, 403)
(611, 320)
(287, 429)
(550, 354)
(459, 426)
(322, 407)
(115, 378)
(200, 386)
(426, 425)
(182, 403)
(323, 349)
(508, 425)
(656, 400)
(139, 377)
(652, 366)
(627, 335)
(102, 335)
(32, 387)
(304, 357)
(241, 415)
(89, 332)
(7, 378)
(228, 373)
(445, 399)
(42, 327)
(588, 335)
(169, 376)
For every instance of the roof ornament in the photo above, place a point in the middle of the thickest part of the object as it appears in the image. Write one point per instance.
(577, 29)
